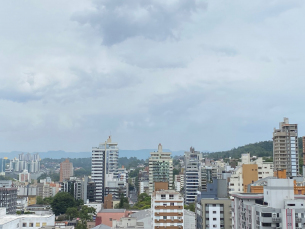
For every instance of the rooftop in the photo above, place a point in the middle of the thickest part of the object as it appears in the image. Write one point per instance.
(7, 218)
(113, 210)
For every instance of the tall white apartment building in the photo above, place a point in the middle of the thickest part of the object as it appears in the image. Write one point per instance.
(285, 148)
(167, 209)
(192, 175)
(277, 208)
(104, 161)
(249, 171)
(160, 168)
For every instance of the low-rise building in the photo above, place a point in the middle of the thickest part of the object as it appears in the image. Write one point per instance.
(127, 222)
(25, 221)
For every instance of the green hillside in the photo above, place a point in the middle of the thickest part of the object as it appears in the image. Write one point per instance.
(260, 149)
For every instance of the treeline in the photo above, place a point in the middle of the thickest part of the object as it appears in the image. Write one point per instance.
(131, 162)
(259, 149)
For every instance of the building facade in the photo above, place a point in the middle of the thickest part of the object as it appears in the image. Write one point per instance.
(192, 175)
(160, 168)
(66, 170)
(167, 210)
(8, 199)
(277, 207)
(104, 161)
(248, 172)
(285, 148)
(213, 207)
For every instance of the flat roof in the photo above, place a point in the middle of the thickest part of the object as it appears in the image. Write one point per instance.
(8, 218)
(112, 210)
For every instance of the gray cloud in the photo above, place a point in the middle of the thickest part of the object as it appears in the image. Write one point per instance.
(157, 20)
(181, 73)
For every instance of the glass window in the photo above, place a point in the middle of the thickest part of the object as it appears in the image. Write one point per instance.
(24, 224)
(31, 224)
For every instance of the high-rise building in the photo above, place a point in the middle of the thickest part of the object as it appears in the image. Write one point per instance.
(66, 170)
(167, 209)
(192, 175)
(285, 148)
(160, 168)
(104, 161)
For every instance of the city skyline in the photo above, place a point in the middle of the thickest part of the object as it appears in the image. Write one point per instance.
(181, 73)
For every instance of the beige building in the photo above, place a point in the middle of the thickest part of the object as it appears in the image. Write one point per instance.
(167, 210)
(160, 168)
(248, 172)
(285, 148)
(66, 170)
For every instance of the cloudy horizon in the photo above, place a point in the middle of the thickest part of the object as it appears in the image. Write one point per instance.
(209, 74)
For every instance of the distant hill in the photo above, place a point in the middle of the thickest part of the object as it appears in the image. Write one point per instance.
(140, 154)
(260, 149)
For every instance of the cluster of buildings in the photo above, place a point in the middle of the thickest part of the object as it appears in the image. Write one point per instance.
(244, 193)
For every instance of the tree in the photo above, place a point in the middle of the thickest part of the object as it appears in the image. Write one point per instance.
(61, 202)
(85, 215)
(72, 212)
(190, 207)
(39, 200)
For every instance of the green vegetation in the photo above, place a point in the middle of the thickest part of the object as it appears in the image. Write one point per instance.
(85, 215)
(190, 207)
(124, 203)
(130, 162)
(5, 178)
(52, 175)
(144, 202)
(46, 201)
(61, 202)
(260, 149)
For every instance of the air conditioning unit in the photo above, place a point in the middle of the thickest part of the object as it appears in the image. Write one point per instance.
(157, 213)
(179, 213)
(172, 219)
(158, 220)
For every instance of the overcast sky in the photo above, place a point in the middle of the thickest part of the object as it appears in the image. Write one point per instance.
(209, 74)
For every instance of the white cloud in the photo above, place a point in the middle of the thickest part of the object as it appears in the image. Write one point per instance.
(213, 75)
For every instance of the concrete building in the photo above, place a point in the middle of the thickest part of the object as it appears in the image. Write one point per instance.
(25, 176)
(25, 221)
(8, 199)
(285, 148)
(104, 161)
(107, 216)
(167, 209)
(277, 207)
(179, 182)
(127, 222)
(192, 175)
(207, 175)
(160, 168)
(213, 208)
(248, 172)
(66, 170)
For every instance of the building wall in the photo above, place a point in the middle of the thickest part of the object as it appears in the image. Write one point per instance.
(218, 212)
(160, 168)
(66, 170)
(249, 175)
(167, 210)
(108, 217)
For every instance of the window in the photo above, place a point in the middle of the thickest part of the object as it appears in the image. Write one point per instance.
(214, 219)
(164, 204)
(214, 226)
(214, 205)
(171, 196)
(110, 219)
(31, 224)
(214, 212)
(163, 197)
(164, 217)
(44, 224)
(172, 204)
(24, 224)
